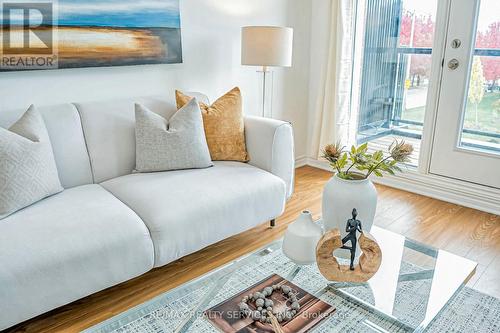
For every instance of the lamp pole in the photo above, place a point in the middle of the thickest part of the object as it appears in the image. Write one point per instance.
(264, 72)
(267, 75)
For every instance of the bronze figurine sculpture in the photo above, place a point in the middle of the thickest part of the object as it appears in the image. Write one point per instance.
(352, 227)
(369, 261)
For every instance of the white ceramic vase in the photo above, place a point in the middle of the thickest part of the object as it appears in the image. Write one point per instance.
(301, 239)
(340, 196)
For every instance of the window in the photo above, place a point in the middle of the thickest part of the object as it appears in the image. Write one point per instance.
(481, 123)
(396, 65)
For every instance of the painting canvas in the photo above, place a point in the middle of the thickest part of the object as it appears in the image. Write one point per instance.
(92, 33)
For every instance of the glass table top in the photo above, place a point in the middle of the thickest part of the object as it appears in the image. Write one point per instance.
(414, 284)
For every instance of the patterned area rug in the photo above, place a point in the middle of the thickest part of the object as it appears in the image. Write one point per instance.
(469, 311)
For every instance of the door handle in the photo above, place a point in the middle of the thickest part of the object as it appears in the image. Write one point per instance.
(453, 64)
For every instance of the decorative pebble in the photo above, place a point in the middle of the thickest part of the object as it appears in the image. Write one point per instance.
(265, 306)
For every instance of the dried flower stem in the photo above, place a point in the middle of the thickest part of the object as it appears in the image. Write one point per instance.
(376, 166)
(358, 158)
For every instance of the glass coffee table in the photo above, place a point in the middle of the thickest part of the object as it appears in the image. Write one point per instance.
(414, 284)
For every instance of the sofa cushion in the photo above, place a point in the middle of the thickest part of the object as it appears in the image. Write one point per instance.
(109, 128)
(224, 125)
(65, 247)
(66, 136)
(187, 210)
(173, 144)
(28, 171)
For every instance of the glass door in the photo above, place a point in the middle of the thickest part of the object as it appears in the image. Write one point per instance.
(466, 143)
(395, 68)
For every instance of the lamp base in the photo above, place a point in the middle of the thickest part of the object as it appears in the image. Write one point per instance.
(264, 69)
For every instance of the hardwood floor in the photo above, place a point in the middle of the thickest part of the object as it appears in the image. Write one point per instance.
(464, 231)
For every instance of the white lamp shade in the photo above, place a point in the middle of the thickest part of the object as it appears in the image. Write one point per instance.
(266, 46)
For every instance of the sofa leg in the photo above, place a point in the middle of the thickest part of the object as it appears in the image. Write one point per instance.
(272, 223)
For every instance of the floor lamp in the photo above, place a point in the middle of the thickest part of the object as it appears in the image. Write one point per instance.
(266, 47)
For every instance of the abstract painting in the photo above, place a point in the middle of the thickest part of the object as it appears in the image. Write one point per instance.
(93, 33)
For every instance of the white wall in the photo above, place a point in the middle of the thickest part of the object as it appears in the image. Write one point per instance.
(211, 52)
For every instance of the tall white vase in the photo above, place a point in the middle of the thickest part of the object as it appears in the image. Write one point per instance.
(340, 196)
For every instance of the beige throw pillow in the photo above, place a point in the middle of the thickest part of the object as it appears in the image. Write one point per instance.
(28, 171)
(224, 126)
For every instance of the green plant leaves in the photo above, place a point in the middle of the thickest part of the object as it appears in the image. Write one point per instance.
(363, 148)
(350, 164)
(341, 163)
(378, 155)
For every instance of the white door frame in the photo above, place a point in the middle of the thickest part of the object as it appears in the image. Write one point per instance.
(430, 118)
(419, 180)
(449, 158)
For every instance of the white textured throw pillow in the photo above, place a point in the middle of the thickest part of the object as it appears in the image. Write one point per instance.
(28, 171)
(179, 143)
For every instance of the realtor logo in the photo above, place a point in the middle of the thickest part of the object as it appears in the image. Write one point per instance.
(28, 32)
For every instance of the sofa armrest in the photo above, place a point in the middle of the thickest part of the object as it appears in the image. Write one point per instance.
(270, 146)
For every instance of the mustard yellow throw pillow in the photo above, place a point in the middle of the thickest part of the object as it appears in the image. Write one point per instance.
(224, 126)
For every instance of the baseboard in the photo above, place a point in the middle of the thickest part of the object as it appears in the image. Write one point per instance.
(300, 161)
(482, 198)
(318, 164)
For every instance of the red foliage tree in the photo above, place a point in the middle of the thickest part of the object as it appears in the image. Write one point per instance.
(490, 39)
(423, 35)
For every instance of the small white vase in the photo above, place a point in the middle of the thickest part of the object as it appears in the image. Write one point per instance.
(301, 239)
(340, 196)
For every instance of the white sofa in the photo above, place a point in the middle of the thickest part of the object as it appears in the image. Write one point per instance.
(110, 225)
